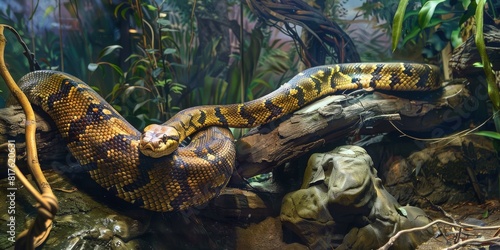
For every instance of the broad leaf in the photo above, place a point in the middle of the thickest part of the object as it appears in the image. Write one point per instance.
(413, 33)
(164, 22)
(398, 23)
(470, 11)
(427, 11)
(169, 51)
(108, 50)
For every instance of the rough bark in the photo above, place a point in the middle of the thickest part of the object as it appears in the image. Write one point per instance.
(464, 56)
(332, 119)
(12, 128)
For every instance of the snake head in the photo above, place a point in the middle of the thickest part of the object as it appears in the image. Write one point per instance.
(158, 140)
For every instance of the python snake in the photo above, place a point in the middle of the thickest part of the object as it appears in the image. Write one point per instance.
(150, 169)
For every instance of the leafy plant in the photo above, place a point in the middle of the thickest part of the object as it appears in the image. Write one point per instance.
(472, 9)
(490, 134)
(436, 22)
(69, 51)
(169, 71)
(45, 46)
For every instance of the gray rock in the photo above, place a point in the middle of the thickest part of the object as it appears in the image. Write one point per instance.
(343, 204)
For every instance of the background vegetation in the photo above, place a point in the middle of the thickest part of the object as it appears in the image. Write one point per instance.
(152, 58)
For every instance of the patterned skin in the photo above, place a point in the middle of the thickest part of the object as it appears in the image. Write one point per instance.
(308, 86)
(150, 169)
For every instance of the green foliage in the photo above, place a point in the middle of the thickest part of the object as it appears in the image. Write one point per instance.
(170, 71)
(69, 50)
(490, 76)
(490, 134)
(106, 51)
(469, 9)
(426, 13)
(45, 46)
(436, 22)
(493, 92)
(255, 73)
(398, 23)
(383, 12)
(375, 45)
(167, 70)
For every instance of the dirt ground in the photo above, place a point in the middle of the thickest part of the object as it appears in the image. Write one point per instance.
(485, 215)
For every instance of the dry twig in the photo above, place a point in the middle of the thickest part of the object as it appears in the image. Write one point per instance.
(459, 225)
(48, 206)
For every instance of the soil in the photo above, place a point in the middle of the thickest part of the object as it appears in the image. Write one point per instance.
(486, 215)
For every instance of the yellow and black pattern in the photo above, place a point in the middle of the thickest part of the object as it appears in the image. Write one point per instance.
(311, 84)
(106, 146)
(117, 156)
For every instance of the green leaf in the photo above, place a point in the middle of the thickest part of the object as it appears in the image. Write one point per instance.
(128, 91)
(164, 22)
(486, 214)
(169, 30)
(456, 39)
(466, 3)
(470, 11)
(427, 11)
(478, 64)
(116, 68)
(493, 92)
(415, 12)
(115, 89)
(108, 50)
(413, 33)
(118, 8)
(490, 134)
(156, 72)
(160, 83)
(151, 7)
(117, 107)
(434, 22)
(398, 23)
(132, 57)
(123, 13)
(92, 66)
(139, 105)
(169, 51)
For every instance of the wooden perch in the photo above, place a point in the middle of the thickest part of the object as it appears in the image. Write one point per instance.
(330, 119)
(12, 127)
(334, 118)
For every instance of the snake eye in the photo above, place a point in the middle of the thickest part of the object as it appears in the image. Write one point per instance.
(164, 137)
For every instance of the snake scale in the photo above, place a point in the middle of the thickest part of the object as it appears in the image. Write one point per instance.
(150, 169)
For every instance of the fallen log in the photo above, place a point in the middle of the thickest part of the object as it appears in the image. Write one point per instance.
(331, 119)
(335, 118)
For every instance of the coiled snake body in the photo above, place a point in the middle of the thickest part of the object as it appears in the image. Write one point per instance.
(150, 170)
